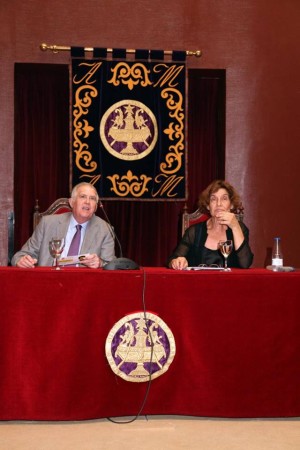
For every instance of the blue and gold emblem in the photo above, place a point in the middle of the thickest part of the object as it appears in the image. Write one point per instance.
(139, 347)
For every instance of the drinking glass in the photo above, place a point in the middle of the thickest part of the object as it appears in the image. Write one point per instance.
(225, 248)
(56, 246)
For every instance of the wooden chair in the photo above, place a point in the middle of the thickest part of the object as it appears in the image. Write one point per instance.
(59, 206)
(10, 235)
(189, 219)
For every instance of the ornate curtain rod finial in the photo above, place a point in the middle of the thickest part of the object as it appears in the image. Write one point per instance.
(196, 53)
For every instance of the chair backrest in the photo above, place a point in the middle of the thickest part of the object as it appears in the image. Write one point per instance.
(10, 235)
(59, 206)
(239, 213)
(189, 219)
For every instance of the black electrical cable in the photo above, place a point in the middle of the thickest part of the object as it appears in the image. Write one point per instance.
(151, 361)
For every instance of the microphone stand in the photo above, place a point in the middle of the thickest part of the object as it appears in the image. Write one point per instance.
(111, 229)
(120, 263)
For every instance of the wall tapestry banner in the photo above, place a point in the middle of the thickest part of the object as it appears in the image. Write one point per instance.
(128, 128)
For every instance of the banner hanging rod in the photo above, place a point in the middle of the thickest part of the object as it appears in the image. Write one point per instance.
(62, 48)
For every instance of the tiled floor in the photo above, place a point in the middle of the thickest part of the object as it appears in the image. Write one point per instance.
(153, 432)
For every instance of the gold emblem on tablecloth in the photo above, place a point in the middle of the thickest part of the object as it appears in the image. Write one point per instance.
(139, 347)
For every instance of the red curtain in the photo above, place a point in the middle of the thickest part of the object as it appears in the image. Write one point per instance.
(147, 231)
(41, 161)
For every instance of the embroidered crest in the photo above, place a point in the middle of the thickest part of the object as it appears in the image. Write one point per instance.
(128, 130)
(139, 346)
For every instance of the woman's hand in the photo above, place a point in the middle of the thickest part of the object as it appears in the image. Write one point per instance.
(227, 218)
(179, 263)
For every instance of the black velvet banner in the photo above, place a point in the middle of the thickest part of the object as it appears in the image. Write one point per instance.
(128, 128)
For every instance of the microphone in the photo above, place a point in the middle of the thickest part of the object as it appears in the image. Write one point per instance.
(120, 263)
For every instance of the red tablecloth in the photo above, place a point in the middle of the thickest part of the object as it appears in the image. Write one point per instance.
(237, 340)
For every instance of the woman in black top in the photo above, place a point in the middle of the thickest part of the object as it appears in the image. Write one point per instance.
(199, 244)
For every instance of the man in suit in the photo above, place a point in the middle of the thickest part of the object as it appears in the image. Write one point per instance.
(96, 236)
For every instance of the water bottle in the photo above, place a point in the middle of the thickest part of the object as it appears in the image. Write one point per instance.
(277, 258)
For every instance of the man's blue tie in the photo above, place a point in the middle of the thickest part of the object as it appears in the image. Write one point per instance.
(75, 244)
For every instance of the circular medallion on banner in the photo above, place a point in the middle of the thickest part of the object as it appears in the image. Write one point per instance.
(140, 346)
(128, 130)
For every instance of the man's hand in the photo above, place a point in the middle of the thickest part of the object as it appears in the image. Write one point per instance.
(92, 261)
(26, 261)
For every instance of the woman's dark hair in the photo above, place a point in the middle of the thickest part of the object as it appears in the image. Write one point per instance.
(205, 195)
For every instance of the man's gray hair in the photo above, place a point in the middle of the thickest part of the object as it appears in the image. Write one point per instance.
(79, 185)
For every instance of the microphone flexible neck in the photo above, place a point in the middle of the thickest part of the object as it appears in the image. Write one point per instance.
(111, 229)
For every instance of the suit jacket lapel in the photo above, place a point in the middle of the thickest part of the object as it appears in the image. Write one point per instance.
(63, 224)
